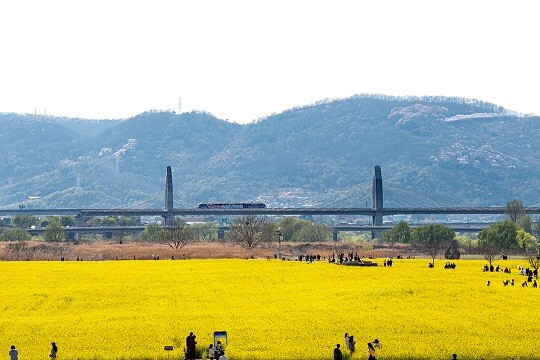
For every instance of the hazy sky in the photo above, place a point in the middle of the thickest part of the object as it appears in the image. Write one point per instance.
(241, 60)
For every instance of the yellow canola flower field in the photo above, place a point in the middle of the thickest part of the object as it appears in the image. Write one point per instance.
(270, 309)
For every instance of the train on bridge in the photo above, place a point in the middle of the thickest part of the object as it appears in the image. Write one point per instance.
(232, 206)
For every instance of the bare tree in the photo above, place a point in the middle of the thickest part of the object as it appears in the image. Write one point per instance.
(179, 234)
(248, 231)
(490, 249)
(432, 239)
(534, 260)
(514, 210)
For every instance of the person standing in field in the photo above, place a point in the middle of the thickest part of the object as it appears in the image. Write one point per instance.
(371, 351)
(191, 348)
(349, 342)
(218, 350)
(189, 340)
(54, 351)
(337, 353)
(211, 354)
(13, 353)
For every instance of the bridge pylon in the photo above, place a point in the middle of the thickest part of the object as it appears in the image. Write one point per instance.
(377, 202)
(169, 206)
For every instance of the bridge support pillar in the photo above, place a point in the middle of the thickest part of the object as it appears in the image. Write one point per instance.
(168, 219)
(169, 206)
(377, 202)
(377, 220)
(79, 222)
(221, 233)
(335, 235)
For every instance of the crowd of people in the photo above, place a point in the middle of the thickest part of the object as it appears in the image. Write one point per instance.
(528, 272)
(343, 257)
(371, 348)
(303, 257)
(532, 275)
(491, 268)
(309, 258)
(350, 345)
(216, 352)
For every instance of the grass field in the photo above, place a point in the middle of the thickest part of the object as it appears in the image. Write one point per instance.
(270, 309)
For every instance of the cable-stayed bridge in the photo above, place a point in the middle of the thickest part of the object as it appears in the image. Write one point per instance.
(372, 192)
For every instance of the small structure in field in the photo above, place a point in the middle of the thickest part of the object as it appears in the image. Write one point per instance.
(359, 263)
(452, 253)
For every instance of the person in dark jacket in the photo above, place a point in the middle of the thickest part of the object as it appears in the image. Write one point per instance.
(54, 351)
(13, 353)
(337, 353)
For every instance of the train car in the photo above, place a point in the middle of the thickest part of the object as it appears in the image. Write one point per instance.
(232, 206)
(254, 206)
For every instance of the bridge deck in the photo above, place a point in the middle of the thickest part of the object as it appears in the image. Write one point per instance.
(268, 211)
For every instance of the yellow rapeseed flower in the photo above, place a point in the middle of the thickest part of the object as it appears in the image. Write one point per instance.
(270, 309)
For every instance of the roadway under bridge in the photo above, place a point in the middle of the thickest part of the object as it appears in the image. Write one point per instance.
(111, 230)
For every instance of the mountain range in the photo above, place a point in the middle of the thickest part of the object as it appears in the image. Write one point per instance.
(433, 151)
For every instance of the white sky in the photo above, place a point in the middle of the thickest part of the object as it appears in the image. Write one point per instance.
(241, 60)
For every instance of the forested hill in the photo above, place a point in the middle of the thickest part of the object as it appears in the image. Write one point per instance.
(432, 151)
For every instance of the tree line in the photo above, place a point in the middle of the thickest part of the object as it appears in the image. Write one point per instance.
(247, 231)
(513, 235)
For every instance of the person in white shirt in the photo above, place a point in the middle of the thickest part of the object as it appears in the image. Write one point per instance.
(211, 354)
(223, 357)
(349, 342)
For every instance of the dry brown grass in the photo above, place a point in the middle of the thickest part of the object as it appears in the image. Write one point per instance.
(36, 250)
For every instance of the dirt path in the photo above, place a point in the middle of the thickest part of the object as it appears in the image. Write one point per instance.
(33, 250)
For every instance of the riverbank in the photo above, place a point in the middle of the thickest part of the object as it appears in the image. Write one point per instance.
(101, 250)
